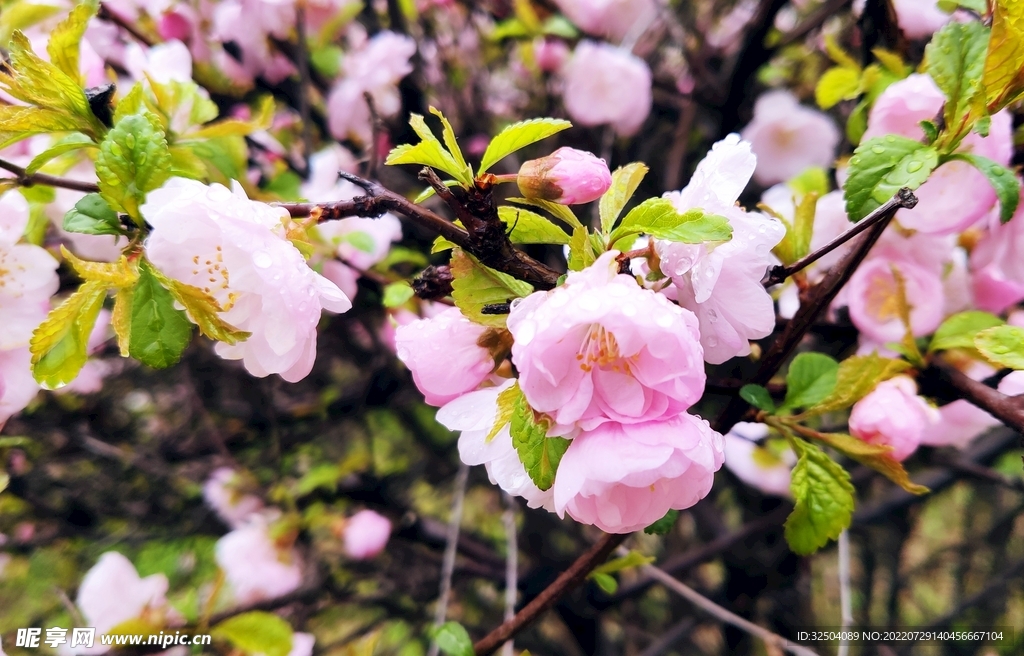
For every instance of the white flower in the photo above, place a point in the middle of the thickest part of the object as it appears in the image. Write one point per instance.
(256, 568)
(755, 465)
(235, 250)
(224, 492)
(28, 276)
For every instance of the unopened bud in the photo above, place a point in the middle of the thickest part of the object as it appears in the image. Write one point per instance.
(567, 176)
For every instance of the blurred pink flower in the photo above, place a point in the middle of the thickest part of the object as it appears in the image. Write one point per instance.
(997, 265)
(28, 275)
(609, 18)
(236, 250)
(788, 137)
(601, 348)
(894, 415)
(366, 534)
(604, 84)
(302, 644)
(113, 593)
(444, 355)
(755, 465)
(567, 176)
(721, 283)
(919, 18)
(962, 422)
(19, 385)
(623, 477)
(550, 53)
(224, 491)
(256, 568)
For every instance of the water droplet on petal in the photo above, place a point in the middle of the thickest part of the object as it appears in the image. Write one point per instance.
(262, 259)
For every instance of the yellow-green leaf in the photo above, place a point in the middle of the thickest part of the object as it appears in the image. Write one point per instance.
(526, 227)
(1003, 346)
(65, 39)
(121, 318)
(959, 330)
(121, 273)
(625, 180)
(856, 377)
(1003, 78)
(507, 400)
(203, 309)
(256, 632)
(539, 453)
(518, 136)
(560, 212)
(824, 500)
(475, 285)
(838, 83)
(59, 346)
(38, 82)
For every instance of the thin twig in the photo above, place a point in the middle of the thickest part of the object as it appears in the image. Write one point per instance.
(722, 614)
(47, 180)
(565, 582)
(450, 548)
(511, 566)
(845, 603)
(111, 16)
(376, 127)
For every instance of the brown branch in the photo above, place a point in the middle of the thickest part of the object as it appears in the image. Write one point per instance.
(499, 255)
(24, 180)
(814, 301)
(1007, 409)
(565, 582)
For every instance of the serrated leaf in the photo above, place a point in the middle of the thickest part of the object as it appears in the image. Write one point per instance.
(838, 83)
(204, 310)
(453, 640)
(855, 379)
(526, 227)
(625, 180)
(875, 456)
(659, 218)
(59, 345)
(956, 61)
(68, 144)
(1003, 77)
(539, 453)
(22, 15)
(880, 167)
(65, 39)
(663, 525)
(114, 275)
(518, 136)
(758, 396)
(133, 159)
(507, 400)
(22, 122)
(824, 500)
(811, 378)
(581, 250)
(396, 294)
(38, 82)
(91, 215)
(121, 318)
(959, 330)
(428, 152)
(256, 632)
(452, 144)
(1002, 179)
(1003, 346)
(560, 212)
(158, 331)
(475, 285)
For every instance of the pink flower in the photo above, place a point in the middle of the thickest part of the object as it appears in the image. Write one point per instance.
(366, 534)
(236, 250)
(302, 644)
(567, 176)
(721, 283)
(919, 18)
(444, 355)
(962, 422)
(894, 415)
(20, 387)
(224, 491)
(956, 194)
(28, 275)
(787, 137)
(604, 84)
(609, 18)
(623, 477)
(755, 465)
(113, 593)
(997, 265)
(474, 414)
(872, 296)
(601, 348)
(255, 566)
(549, 53)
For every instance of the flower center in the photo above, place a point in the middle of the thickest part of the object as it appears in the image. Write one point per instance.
(883, 302)
(599, 347)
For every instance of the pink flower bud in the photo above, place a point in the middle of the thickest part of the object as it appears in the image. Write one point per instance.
(366, 534)
(567, 176)
(893, 414)
(550, 54)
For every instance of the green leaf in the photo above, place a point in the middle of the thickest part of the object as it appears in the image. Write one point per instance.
(855, 379)
(625, 180)
(606, 582)
(959, 330)
(38, 82)
(22, 15)
(453, 639)
(838, 83)
(428, 152)
(204, 310)
(979, 7)
(539, 453)
(17, 122)
(1002, 179)
(256, 632)
(560, 212)
(663, 525)
(813, 179)
(133, 159)
(159, 332)
(824, 500)
(70, 143)
(59, 346)
(758, 397)
(875, 456)
(880, 167)
(956, 61)
(65, 39)
(1004, 65)
(1003, 346)
(581, 250)
(659, 218)
(811, 378)
(602, 575)
(452, 144)
(397, 293)
(113, 275)
(857, 124)
(518, 136)
(507, 400)
(92, 216)
(526, 227)
(475, 285)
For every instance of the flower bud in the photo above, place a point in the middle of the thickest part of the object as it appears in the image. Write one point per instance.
(567, 176)
(366, 534)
